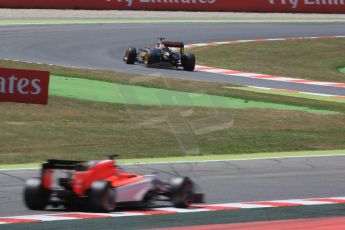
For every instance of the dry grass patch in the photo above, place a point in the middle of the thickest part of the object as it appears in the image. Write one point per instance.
(72, 129)
(317, 59)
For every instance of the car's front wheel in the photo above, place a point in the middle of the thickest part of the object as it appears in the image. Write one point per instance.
(149, 198)
(182, 192)
(152, 57)
(130, 55)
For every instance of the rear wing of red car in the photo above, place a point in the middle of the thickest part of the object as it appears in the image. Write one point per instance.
(63, 164)
(173, 44)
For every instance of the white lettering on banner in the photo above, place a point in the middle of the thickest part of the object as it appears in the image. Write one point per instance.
(11, 87)
(294, 3)
(35, 85)
(130, 2)
(2, 85)
(324, 2)
(179, 1)
(21, 86)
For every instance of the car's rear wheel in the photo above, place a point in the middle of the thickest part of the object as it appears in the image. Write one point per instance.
(182, 191)
(35, 196)
(101, 197)
(188, 62)
(130, 56)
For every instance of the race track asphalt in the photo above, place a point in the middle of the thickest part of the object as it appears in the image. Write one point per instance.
(102, 46)
(221, 182)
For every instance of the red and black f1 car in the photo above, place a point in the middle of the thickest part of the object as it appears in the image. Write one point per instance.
(102, 186)
(165, 52)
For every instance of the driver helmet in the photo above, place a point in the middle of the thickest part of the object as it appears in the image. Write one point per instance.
(161, 46)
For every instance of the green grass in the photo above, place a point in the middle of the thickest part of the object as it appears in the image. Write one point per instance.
(342, 70)
(225, 157)
(85, 129)
(178, 84)
(80, 129)
(101, 91)
(317, 59)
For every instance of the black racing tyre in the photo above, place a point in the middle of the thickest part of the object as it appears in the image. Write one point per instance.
(182, 191)
(149, 198)
(130, 56)
(74, 205)
(101, 197)
(188, 62)
(35, 196)
(152, 57)
(69, 205)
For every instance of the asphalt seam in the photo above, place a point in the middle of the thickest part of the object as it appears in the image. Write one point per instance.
(171, 210)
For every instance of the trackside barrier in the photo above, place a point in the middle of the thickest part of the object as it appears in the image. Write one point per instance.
(24, 86)
(307, 6)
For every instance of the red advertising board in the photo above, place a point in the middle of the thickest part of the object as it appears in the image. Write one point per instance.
(312, 6)
(24, 86)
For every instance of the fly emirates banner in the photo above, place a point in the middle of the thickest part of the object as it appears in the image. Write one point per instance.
(312, 6)
(24, 86)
